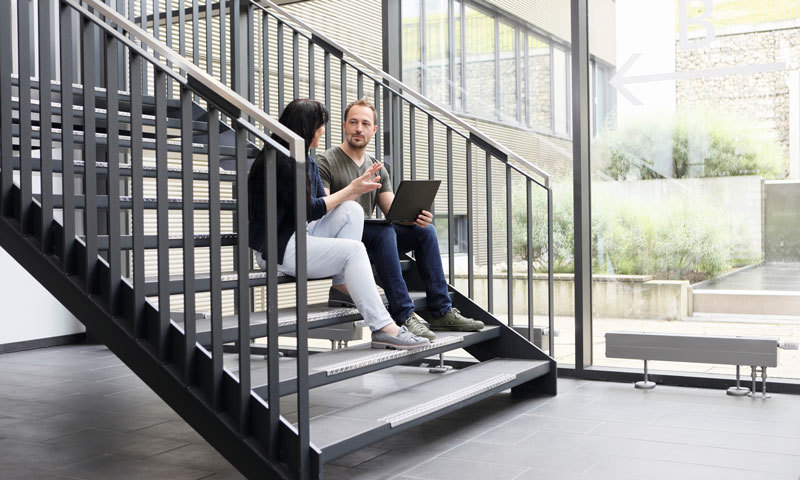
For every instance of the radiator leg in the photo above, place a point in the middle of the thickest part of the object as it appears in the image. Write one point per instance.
(764, 393)
(753, 372)
(738, 390)
(645, 384)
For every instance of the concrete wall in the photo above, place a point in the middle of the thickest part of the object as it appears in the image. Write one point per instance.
(782, 221)
(29, 311)
(624, 296)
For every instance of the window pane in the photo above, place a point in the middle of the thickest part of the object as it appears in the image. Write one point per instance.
(539, 83)
(457, 80)
(508, 73)
(412, 44)
(480, 66)
(437, 58)
(560, 91)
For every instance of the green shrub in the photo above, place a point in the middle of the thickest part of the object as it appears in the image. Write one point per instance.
(696, 143)
(676, 240)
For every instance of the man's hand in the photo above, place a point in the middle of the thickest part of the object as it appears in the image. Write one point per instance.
(424, 219)
(367, 182)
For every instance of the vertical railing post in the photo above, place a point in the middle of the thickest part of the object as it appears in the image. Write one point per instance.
(25, 141)
(301, 298)
(239, 41)
(550, 282)
(470, 226)
(273, 372)
(45, 124)
(281, 68)
(412, 142)
(244, 261)
(162, 212)
(112, 160)
(529, 250)
(187, 194)
(295, 64)
(343, 92)
(6, 152)
(215, 248)
(89, 152)
(265, 66)
(137, 190)
(489, 245)
(209, 38)
(509, 248)
(451, 244)
(311, 74)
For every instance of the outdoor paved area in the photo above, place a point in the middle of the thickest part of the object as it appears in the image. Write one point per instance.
(76, 412)
(784, 277)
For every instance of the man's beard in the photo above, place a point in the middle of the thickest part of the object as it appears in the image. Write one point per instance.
(355, 145)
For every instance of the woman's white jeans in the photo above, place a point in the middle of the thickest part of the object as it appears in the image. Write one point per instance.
(334, 249)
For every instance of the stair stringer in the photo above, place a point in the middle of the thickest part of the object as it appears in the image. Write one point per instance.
(138, 354)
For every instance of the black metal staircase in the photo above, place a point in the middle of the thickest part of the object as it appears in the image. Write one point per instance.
(89, 176)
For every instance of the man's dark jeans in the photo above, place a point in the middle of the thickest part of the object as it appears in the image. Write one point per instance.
(384, 245)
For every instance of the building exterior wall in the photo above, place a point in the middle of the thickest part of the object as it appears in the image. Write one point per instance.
(763, 97)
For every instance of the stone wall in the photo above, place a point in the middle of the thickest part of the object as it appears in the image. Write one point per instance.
(763, 97)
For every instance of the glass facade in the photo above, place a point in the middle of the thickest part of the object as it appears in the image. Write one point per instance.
(692, 228)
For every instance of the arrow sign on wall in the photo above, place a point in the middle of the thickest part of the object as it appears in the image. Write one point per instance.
(619, 80)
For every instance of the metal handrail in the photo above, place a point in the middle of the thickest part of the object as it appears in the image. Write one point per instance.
(410, 91)
(296, 143)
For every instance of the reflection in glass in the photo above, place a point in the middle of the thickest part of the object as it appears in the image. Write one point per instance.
(480, 63)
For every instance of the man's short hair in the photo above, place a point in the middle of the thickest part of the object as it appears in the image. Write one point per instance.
(362, 102)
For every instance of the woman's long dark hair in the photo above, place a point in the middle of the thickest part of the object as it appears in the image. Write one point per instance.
(303, 116)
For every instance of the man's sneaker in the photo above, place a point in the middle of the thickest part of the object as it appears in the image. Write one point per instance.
(453, 320)
(339, 299)
(404, 340)
(417, 326)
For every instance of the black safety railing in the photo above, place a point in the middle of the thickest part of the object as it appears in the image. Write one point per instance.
(271, 56)
(99, 125)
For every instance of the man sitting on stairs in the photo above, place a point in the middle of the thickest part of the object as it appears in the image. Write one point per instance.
(338, 166)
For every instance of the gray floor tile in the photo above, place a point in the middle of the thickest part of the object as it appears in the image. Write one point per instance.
(628, 468)
(552, 460)
(116, 443)
(174, 430)
(450, 468)
(738, 459)
(199, 455)
(124, 468)
(357, 458)
(21, 454)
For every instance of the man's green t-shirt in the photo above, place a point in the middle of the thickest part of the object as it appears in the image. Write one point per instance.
(337, 170)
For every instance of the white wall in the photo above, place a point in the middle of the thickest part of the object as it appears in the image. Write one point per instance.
(28, 311)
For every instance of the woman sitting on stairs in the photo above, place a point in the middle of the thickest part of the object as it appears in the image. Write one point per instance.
(334, 226)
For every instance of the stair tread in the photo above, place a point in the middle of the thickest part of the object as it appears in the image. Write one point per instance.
(364, 421)
(335, 365)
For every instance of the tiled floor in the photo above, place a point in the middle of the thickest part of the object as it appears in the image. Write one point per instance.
(76, 412)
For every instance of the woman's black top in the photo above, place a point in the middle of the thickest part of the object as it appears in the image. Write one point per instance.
(315, 208)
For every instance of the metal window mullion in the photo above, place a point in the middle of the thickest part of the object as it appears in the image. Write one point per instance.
(265, 66)
(422, 45)
(25, 141)
(162, 212)
(311, 72)
(281, 74)
(509, 249)
(451, 70)
(112, 159)
(6, 150)
(215, 247)
(517, 67)
(450, 217)
(463, 57)
(195, 32)
(209, 39)
(295, 64)
(528, 100)
(45, 125)
(137, 190)
(412, 135)
(490, 246)
(377, 97)
(329, 127)
(89, 153)
(187, 194)
(343, 92)
(552, 89)
(470, 223)
(223, 55)
(497, 86)
(273, 371)
(244, 261)
(301, 308)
